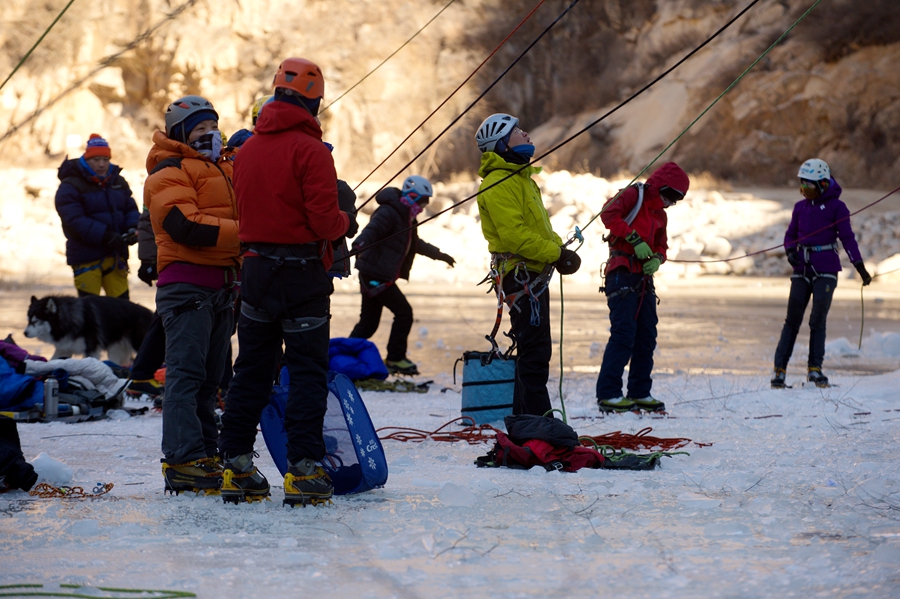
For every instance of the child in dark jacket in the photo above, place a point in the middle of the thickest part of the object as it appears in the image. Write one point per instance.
(810, 243)
(394, 222)
(99, 218)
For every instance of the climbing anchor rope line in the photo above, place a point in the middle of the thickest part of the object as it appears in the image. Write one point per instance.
(447, 99)
(37, 43)
(687, 56)
(102, 64)
(480, 96)
(390, 56)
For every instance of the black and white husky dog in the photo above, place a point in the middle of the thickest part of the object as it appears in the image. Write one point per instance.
(88, 325)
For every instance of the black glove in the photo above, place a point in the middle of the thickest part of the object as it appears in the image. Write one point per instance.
(130, 237)
(863, 273)
(569, 262)
(147, 272)
(113, 240)
(446, 258)
(353, 228)
(794, 257)
(346, 197)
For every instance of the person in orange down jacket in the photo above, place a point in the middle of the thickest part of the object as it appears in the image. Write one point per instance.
(193, 212)
(636, 220)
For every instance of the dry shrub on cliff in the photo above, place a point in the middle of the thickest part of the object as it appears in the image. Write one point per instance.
(842, 26)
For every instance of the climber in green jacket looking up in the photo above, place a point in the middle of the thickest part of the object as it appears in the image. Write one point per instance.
(524, 250)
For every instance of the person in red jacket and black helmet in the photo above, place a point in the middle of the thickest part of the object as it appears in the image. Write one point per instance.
(636, 220)
(288, 202)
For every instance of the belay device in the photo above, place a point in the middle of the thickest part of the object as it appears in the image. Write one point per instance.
(354, 457)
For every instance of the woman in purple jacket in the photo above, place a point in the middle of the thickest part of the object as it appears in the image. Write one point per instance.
(810, 243)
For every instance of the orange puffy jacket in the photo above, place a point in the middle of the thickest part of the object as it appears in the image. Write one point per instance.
(192, 206)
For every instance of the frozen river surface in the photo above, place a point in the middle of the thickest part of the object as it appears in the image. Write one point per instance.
(791, 493)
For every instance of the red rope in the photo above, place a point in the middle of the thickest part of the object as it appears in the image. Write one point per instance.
(471, 434)
(641, 441)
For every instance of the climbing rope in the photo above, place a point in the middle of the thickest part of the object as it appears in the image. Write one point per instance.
(380, 64)
(564, 142)
(37, 43)
(46, 490)
(471, 434)
(102, 64)
(441, 105)
(640, 441)
(862, 306)
(35, 590)
(474, 102)
(702, 114)
(799, 239)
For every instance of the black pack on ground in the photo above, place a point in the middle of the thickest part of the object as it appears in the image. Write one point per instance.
(15, 472)
(523, 427)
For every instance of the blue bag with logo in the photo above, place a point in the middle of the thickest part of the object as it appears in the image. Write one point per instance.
(354, 457)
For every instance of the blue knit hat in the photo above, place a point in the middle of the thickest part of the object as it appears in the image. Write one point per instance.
(182, 130)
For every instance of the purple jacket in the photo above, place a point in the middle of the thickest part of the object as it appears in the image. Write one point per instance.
(821, 222)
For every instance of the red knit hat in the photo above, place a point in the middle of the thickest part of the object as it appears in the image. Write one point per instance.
(97, 146)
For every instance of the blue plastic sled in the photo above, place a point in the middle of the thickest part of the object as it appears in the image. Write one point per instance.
(354, 457)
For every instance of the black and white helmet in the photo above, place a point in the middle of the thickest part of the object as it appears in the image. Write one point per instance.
(493, 129)
(418, 185)
(184, 107)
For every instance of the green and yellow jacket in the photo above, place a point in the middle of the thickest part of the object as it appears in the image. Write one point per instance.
(513, 217)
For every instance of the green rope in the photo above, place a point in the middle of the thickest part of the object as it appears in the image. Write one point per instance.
(380, 64)
(708, 108)
(48, 593)
(40, 39)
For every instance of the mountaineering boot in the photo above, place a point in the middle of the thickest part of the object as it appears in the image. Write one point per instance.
(815, 376)
(403, 366)
(149, 387)
(242, 481)
(778, 378)
(197, 476)
(616, 404)
(307, 483)
(648, 404)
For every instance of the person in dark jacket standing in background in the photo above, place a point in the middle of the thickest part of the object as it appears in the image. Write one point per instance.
(818, 221)
(638, 242)
(99, 218)
(393, 225)
(287, 196)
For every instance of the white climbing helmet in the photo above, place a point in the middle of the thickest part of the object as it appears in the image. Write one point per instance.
(493, 129)
(418, 185)
(814, 170)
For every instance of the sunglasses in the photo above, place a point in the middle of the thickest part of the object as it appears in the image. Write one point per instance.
(671, 194)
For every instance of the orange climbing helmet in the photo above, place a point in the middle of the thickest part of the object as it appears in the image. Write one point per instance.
(301, 76)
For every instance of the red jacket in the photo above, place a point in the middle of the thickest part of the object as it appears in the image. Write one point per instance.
(650, 222)
(286, 184)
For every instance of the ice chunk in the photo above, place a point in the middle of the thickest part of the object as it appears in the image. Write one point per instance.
(118, 415)
(456, 496)
(52, 471)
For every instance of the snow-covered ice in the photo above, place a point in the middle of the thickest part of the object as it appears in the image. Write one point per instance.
(797, 495)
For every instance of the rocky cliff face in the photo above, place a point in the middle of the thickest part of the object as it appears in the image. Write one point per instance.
(830, 90)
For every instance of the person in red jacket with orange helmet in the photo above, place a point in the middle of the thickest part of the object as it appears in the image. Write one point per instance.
(637, 221)
(287, 199)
